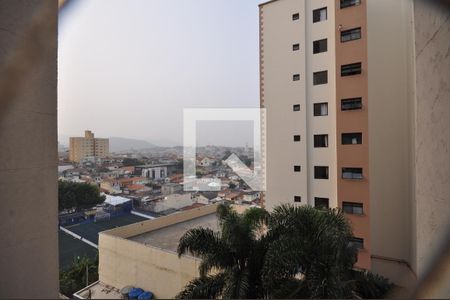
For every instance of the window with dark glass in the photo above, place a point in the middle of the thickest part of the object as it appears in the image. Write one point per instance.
(348, 3)
(295, 47)
(351, 104)
(351, 69)
(319, 15)
(321, 203)
(320, 46)
(320, 77)
(321, 109)
(352, 173)
(353, 138)
(295, 17)
(352, 208)
(296, 77)
(320, 172)
(350, 35)
(358, 243)
(297, 168)
(297, 199)
(296, 107)
(296, 138)
(320, 140)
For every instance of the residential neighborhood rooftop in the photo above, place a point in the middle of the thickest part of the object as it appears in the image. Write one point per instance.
(168, 237)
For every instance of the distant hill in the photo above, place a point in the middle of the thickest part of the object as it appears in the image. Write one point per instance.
(118, 144)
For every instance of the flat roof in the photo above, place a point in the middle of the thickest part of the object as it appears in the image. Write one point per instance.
(267, 2)
(98, 290)
(167, 238)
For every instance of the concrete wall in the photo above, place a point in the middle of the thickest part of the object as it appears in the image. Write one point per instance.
(126, 262)
(432, 135)
(390, 58)
(28, 149)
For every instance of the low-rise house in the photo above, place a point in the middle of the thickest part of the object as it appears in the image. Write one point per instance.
(111, 186)
(171, 188)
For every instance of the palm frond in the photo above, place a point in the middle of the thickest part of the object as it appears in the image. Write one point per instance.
(200, 242)
(209, 287)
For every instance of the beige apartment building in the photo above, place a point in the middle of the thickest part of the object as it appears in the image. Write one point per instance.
(339, 83)
(88, 147)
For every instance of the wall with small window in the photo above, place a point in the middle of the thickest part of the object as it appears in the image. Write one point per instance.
(320, 15)
(320, 46)
(320, 140)
(353, 138)
(353, 208)
(321, 172)
(321, 203)
(320, 77)
(351, 69)
(352, 173)
(321, 109)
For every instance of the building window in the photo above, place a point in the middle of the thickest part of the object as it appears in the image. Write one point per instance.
(321, 203)
(296, 138)
(348, 3)
(295, 47)
(297, 168)
(296, 77)
(352, 173)
(358, 243)
(297, 199)
(320, 77)
(352, 208)
(320, 15)
(353, 138)
(320, 46)
(350, 35)
(351, 104)
(320, 140)
(351, 69)
(320, 172)
(295, 17)
(296, 107)
(320, 109)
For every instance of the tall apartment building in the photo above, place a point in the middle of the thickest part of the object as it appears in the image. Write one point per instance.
(88, 147)
(338, 81)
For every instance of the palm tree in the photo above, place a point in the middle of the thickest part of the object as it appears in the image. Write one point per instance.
(231, 259)
(294, 252)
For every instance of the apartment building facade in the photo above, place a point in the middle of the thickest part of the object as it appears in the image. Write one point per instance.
(337, 82)
(88, 146)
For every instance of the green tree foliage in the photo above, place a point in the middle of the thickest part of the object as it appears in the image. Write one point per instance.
(294, 252)
(74, 278)
(127, 162)
(78, 195)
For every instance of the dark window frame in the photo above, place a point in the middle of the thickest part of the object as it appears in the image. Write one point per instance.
(318, 46)
(349, 3)
(321, 205)
(352, 104)
(297, 168)
(320, 169)
(296, 107)
(295, 16)
(297, 138)
(354, 173)
(296, 77)
(318, 140)
(297, 199)
(317, 109)
(353, 34)
(295, 47)
(357, 242)
(319, 79)
(316, 14)
(348, 138)
(353, 208)
(351, 69)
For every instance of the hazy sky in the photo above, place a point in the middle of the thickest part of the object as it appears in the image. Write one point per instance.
(127, 68)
